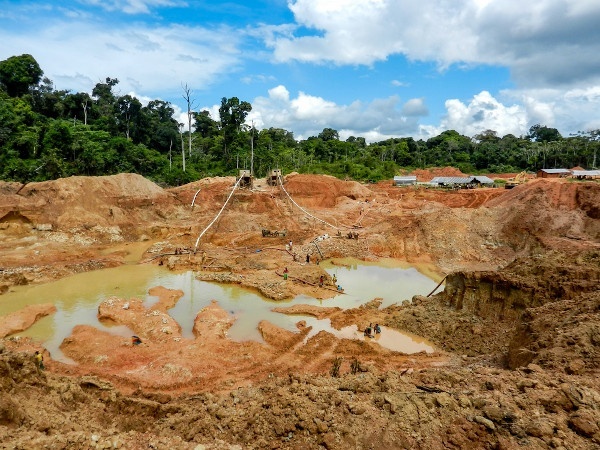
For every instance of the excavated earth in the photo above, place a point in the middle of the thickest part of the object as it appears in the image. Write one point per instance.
(516, 328)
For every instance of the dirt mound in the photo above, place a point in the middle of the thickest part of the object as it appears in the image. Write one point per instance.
(559, 214)
(553, 194)
(324, 191)
(88, 202)
(424, 175)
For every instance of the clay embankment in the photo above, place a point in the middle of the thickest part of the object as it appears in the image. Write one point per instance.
(558, 223)
(525, 283)
(24, 318)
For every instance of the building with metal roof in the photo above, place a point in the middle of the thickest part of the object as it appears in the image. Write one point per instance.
(405, 180)
(553, 173)
(483, 179)
(461, 181)
(586, 174)
(446, 181)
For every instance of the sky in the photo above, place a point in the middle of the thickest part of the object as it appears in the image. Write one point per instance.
(370, 68)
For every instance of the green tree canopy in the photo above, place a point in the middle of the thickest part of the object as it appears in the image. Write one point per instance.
(19, 73)
(232, 114)
(540, 133)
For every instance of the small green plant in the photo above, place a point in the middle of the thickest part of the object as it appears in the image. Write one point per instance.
(335, 370)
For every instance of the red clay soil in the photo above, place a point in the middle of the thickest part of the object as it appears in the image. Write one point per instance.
(516, 327)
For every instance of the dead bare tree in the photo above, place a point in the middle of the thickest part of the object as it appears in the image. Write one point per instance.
(182, 143)
(85, 111)
(187, 96)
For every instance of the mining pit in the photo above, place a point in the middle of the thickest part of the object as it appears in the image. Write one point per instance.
(513, 332)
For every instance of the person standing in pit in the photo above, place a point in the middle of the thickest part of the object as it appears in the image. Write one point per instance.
(39, 360)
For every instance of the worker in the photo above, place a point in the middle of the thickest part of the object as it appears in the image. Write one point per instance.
(291, 246)
(135, 340)
(307, 258)
(377, 328)
(39, 360)
(285, 273)
(334, 280)
(339, 288)
(321, 280)
(369, 330)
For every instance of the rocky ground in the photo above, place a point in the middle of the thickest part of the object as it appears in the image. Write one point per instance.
(517, 326)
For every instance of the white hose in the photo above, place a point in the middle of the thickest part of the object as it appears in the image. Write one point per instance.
(301, 208)
(217, 216)
(196, 195)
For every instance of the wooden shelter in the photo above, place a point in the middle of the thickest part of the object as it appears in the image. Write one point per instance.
(273, 177)
(246, 178)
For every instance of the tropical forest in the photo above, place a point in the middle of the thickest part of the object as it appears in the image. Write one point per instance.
(48, 134)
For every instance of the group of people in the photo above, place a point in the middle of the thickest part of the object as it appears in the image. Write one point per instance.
(371, 330)
(308, 259)
(321, 278)
(289, 247)
(334, 281)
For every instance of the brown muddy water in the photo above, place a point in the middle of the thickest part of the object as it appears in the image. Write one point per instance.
(77, 298)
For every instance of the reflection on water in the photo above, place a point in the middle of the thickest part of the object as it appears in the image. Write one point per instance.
(77, 298)
(388, 338)
(391, 280)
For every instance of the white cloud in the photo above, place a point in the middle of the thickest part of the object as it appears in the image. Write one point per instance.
(550, 46)
(152, 61)
(362, 32)
(131, 6)
(399, 83)
(415, 107)
(547, 41)
(307, 115)
(251, 79)
(568, 110)
(482, 113)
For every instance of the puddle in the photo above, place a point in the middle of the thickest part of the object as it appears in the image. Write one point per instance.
(392, 280)
(388, 338)
(132, 251)
(77, 298)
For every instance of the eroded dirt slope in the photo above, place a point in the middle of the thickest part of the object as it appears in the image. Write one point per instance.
(516, 327)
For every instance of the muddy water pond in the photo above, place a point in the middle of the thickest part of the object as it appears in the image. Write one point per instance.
(77, 298)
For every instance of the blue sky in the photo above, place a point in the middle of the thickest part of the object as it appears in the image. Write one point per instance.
(371, 68)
